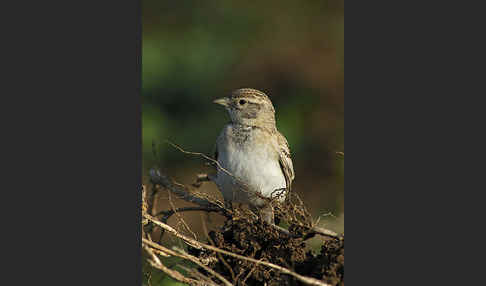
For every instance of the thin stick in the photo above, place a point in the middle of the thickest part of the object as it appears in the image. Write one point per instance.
(180, 253)
(169, 213)
(180, 217)
(206, 281)
(325, 232)
(155, 262)
(160, 179)
(202, 155)
(242, 184)
(225, 263)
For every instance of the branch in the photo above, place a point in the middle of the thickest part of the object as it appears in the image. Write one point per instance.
(180, 253)
(158, 178)
(155, 262)
(325, 232)
(169, 213)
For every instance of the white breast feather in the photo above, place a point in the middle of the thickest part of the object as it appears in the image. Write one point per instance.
(258, 168)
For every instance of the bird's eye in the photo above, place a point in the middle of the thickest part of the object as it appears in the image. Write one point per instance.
(242, 102)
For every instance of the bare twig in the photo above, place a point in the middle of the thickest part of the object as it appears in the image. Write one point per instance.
(325, 232)
(241, 184)
(209, 270)
(225, 263)
(249, 274)
(180, 253)
(206, 281)
(186, 226)
(179, 190)
(200, 179)
(156, 263)
(167, 214)
(158, 178)
(150, 199)
(202, 155)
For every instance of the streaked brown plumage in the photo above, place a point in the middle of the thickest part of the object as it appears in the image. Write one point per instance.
(255, 153)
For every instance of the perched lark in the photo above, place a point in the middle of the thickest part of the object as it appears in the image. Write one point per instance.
(254, 156)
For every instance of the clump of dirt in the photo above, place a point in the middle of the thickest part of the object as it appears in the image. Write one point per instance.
(249, 236)
(328, 265)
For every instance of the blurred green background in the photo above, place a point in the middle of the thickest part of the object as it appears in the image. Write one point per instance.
(196, 51)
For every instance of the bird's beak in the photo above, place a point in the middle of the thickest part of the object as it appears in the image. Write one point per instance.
(224, 101)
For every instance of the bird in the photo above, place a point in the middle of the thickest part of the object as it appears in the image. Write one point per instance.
(254, 160)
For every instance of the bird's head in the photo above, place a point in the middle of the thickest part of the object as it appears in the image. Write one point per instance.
(249, 107)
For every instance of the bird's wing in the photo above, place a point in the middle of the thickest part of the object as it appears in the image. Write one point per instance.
(285, 160)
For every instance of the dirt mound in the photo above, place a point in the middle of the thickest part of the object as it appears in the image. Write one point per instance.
(249, 236)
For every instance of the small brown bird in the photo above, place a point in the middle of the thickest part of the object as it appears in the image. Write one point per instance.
(253, 154)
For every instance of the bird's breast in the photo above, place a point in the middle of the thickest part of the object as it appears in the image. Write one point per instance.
(255, 162)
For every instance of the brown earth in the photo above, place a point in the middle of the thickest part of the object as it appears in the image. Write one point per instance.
(251, 237)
